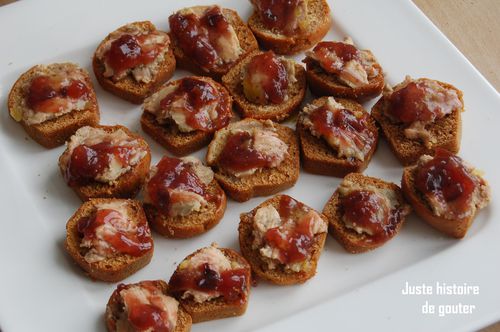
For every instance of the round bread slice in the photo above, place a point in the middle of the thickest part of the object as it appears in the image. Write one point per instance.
(128, 88)
(279, 275)
(276, 112)
(322, 83)
(265, 182)
(320, 158)
(246, 38)
(193, 224)
(115, 268)
(115, 307)
(447, 131)
(53, 132)
(218, 308)
(318, 14)
(352, 241)
(127, 185)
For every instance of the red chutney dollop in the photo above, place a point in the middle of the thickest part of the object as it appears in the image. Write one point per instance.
(266, 79)
(151, 314)
(281, 15)
(130, 51)
(50, 94)
(134, 241)
(199, 37)
(343, 53)
(344, 130)
(89, 161)
(368, 212)
(293, 240)
(230, 284)
(196, 94)
(447, 184)
(422, 100)
(172, 174)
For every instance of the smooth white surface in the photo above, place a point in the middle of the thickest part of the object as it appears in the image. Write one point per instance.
(40, 288)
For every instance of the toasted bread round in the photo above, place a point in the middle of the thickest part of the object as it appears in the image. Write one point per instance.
(128, 88)
(247, 43)
(53, 132)
(267, 181)
(276, 112)
(171, 138)
(352, 241)
(447, 131)
(115, 306)
(193, 224)
(318, 13)
(278, 276)
(127, 185)
(320, 158)
(218, 308)
(322, 83)
(112, 269)
(456, 228)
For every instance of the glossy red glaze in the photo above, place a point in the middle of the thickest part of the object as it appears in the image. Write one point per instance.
(274, 73)
(44, 90)
(343, 51)
(196, 36)
(231, 284)
(447, 179)
(173, 173)
(131, 243)
(277, 14)
(197, 94)
(419, 101)
(128, 52)
(238, 156)
(86, 162)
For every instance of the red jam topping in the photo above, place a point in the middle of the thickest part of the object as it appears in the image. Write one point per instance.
(342, 51)
(197, 36)
(198, 93)
(239, 156)
(447, 180)
(344, 125)
(45, 93)
(145, 316)
(422, 100)
(87, 162)
(267, 74)
(278, 14)
(294, 244)
(231, 284)
(131, 243)
(173, 173)
(130, 51)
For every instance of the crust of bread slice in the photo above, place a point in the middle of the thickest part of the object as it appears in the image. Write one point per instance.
(171, 138)
(322, 83)
(128, 88)
(54, 132)
(278, 276)
(447, 131)
(111, 269)
(456, 228)
(127, 185)
(320, 21)
(276, 112)
(267, 181)
(246, 38)
(320, 158)
(193, 224)
(114, 308)
(348, 238)
(218, 308)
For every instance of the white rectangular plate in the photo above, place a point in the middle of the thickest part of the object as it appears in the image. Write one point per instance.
(41, 289)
